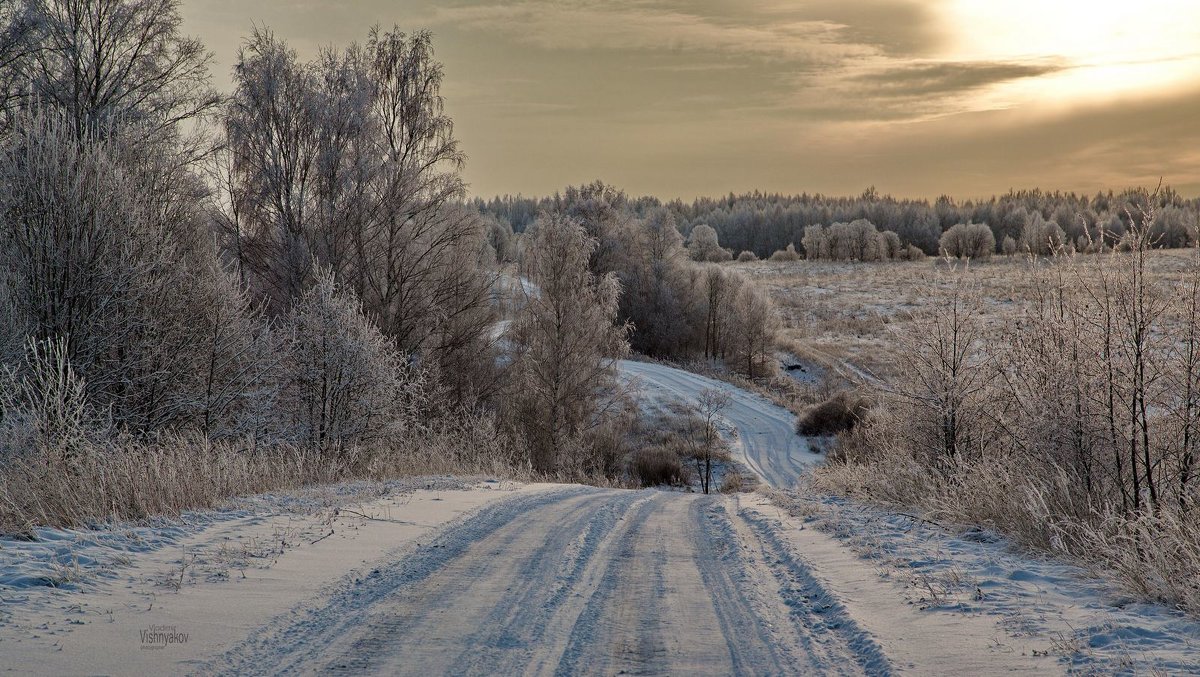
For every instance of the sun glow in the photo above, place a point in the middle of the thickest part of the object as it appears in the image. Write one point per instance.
(1103, 50)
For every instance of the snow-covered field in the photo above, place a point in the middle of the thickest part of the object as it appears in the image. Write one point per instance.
(443, 575)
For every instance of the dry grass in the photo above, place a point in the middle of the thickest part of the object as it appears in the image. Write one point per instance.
(127, 479)
(1157, 557)
(838, 414)
(853, 314)
(655, 466)
(836, 311)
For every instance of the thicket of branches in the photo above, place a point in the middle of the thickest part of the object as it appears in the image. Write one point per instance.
(764, 223)
(1074, 428)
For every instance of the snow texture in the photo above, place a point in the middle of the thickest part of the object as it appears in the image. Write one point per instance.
(1079, 617)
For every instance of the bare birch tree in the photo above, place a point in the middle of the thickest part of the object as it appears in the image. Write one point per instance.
(350, 162)
(709, 406)
(568, 340)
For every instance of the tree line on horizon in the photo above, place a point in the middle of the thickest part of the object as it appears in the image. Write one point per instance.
(765, 223)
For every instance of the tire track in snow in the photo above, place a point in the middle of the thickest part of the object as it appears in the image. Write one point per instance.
(601, 637)
(567, 582)
(300, 639)
(827, 626)
(443, 620)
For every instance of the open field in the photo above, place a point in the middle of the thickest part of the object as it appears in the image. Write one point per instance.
(848, 310)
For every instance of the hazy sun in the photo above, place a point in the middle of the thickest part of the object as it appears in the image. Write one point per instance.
(1105, 49)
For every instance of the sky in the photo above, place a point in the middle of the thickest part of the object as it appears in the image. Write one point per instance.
(678, 98)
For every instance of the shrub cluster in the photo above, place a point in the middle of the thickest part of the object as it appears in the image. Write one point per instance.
(838, 414)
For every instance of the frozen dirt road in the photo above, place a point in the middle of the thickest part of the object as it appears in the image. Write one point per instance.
(499, 578)
(576, 581)
(766, 439)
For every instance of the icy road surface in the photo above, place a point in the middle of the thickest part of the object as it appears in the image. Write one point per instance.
(576, 581)
(766, 443)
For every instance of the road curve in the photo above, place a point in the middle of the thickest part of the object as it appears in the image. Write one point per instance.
(575, 581)
(767, 442)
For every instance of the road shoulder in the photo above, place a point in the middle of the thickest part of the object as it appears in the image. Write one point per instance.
(168, 610)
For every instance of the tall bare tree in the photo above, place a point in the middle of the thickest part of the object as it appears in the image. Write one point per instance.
(568, 340)
(106, 64)
(946, 381)
(350, 162)
(709, 406)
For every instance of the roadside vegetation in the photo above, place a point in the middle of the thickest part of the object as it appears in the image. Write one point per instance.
(1050, 398)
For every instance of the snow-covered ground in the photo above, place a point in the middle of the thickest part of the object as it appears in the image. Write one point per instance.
(941, 601)
(1004, 610)
(443, 575)
(576, 581)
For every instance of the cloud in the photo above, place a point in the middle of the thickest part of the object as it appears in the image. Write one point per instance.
(828, 62)
(907, 90)
(623, 26)
(901, 28)
(1085, 149)
(918, 79)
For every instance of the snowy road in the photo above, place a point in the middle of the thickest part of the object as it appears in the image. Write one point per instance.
(767, 442)
(496, 578)
(576, 581)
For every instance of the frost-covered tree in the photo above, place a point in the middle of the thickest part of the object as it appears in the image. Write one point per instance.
(659, 236)
(501, 239)
(604, 212)
(888, 246)
(752, 328)
(718, 289)
(1009, 246)
(105, 250)
(567, 341)
(236, 359)
(703, 244)
(788, 253)
(350, 162)
(945, 383)
(344, 383)
(105, 65)
(1041, 237)
(272, 139)
(815, 243)
(968, 241)
(708, 408)
(855, 241)
(655, 291)
(1174, 227)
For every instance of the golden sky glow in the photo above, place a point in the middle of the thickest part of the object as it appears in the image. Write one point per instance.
(1105, 49)
(684, 98)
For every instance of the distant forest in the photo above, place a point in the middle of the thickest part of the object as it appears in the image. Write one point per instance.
(764, 223)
